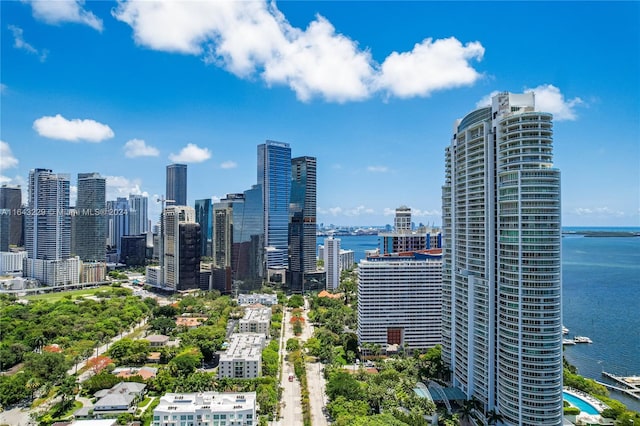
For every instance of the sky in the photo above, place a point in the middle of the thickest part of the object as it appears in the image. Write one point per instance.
(371, 89)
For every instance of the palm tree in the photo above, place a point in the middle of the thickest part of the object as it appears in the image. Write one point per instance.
(493, 417)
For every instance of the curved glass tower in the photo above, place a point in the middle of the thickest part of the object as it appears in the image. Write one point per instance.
(502, 317)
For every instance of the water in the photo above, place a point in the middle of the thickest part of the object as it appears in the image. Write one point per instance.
(601, 300)
(580, 403)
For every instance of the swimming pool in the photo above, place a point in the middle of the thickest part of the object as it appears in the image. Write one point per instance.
(580, 403)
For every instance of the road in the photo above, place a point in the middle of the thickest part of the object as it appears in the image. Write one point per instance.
(291, 406)
(315, 378)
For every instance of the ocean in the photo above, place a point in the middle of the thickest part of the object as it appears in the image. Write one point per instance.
(601, 300)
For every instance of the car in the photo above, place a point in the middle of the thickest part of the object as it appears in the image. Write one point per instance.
(291, 377)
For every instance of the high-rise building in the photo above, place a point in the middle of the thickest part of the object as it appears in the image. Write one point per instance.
(204, 217)
(181, 264)
(332, 262)
(118, 222)
(4, 229)
(405, 239)
(48, 230)
(47, 219)
(90, 218)
(11, 199)
(222, 224)
(176, 184)
(138, 214)
(400, 299)
(274, 176)
(502, 311)
(302, 226)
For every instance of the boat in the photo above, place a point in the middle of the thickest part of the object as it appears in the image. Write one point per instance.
(568, 342)
(565, 330)
(582, 339)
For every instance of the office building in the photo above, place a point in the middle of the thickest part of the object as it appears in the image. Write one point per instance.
(118, 222)
(204, 210)
(274, 175)
(176, 193)
(181, 245)
(138, 214)
(400, 300)
(206, 408)
(402, 220)
(332, 262)
(11, 199)
(93, 272)
(255, 320)
(4, 229)
(90, 219)
(243, 357)
(302, 225)
(502, 310)
(222, 226)
(404, 238)
(133, 250)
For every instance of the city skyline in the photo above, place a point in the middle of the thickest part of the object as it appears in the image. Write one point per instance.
(94, 87)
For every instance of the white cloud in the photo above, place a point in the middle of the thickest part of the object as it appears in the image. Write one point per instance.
(120, 186)
(3, 88)
(430, 66)
(548, 98)
(60, 11)
(138, 148)
(350, 212)
(229, 165)
(7, 159)
(598, 211)
(74, 130)
(191, 153)
(20, 43)
(414, 212)
(250, 38)
(377, 169)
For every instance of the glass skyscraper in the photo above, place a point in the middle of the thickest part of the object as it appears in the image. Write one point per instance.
(502, 310)
(138, 214)
(203, 217)
(91, 219)
(274, 175)
(176, 185)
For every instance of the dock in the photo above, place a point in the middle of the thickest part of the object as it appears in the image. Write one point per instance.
(628, 385)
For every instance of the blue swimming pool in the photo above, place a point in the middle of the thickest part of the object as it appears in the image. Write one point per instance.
(580, 403)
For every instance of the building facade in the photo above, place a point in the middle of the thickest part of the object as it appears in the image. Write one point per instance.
(400, 300)
(11, 199)
(118, 222)
(176, 193)
(332, 262)
(12, 262)
(256, 320)
(204, 216)
(181, 248)
(502, 311)
(243, 357)
(90, 227)
(302, 224)
(138, 214)
(206, 409)
(274, 176)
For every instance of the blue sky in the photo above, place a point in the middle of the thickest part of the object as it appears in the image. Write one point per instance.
(371, 89)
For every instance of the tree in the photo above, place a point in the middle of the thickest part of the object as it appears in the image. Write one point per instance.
(67, 391)
(295, 301)
(163, 325)
(493, 417)
(293, 344)
(343, 384)
(47, 366)
(186, 363)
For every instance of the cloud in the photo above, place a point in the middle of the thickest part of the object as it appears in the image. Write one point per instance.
(339, 211)
(60, 11)
(138, 148)
(598, 211)
(430, 66)
(414, 212)
(548, 98)
(3, 88)
(19, 43)
(254, 38)
(229, 165)
(377, 169)
(120, 186)
(74, 130)
(191, 153)
(7, 159)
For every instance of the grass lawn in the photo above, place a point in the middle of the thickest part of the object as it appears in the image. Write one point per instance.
(57, 295)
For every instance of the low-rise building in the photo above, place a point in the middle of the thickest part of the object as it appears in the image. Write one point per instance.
(206, 409)
(243, 357)
(256, 320)
(157, 340)
(190, 322)
(12, 262)
(261, 298)
(119, 399)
